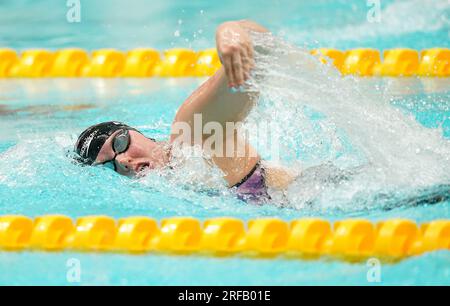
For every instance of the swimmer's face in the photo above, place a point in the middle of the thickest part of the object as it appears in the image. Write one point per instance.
(142, 154)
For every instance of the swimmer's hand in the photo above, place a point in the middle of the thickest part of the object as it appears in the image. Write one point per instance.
(235, 49)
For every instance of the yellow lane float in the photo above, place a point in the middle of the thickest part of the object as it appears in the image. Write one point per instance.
(178, 62)
(140, 63)
(33, 64)
(106, 63)
(69, 63)
(398, 62)
(8, 59)
(15, 232)
(435, 62)
(223, 236)
(350, 239)
(360, 62)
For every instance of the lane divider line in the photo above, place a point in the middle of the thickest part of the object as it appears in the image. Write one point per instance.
(177, 62)
(350, 239)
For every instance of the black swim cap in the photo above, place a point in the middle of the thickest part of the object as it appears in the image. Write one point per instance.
(90, 142)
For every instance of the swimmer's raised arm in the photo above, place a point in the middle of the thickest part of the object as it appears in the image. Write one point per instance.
(217, 103)
(215, 100)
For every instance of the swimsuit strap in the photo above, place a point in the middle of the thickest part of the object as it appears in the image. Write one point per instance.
(258, 164)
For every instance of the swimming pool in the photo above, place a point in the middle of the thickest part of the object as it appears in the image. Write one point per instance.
(40, 120)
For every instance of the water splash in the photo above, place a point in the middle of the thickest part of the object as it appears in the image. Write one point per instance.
(337, 121)
(39, 175)
(354, 151)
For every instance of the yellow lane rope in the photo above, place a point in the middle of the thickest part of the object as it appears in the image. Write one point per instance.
(312, 237)
(144, 62)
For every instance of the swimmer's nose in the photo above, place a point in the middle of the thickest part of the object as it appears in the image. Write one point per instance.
(125, 162)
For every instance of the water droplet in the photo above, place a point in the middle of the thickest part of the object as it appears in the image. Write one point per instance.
(176, 33)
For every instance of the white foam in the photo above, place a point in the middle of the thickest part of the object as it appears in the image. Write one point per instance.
(394, 150)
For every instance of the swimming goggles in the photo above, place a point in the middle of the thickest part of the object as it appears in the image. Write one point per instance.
(120, 144)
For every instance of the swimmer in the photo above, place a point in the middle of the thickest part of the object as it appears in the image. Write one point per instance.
(129, 152)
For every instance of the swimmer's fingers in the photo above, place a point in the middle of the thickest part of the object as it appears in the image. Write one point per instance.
(238, 69)
(237, 63)
(247, 60)
(227, 64)
(245, 64)
(251, 55)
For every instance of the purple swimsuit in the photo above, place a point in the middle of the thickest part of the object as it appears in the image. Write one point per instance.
(252, 188)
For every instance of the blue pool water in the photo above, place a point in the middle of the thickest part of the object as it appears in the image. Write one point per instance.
(40, 119)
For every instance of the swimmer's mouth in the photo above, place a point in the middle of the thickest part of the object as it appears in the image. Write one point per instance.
(141, 167)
